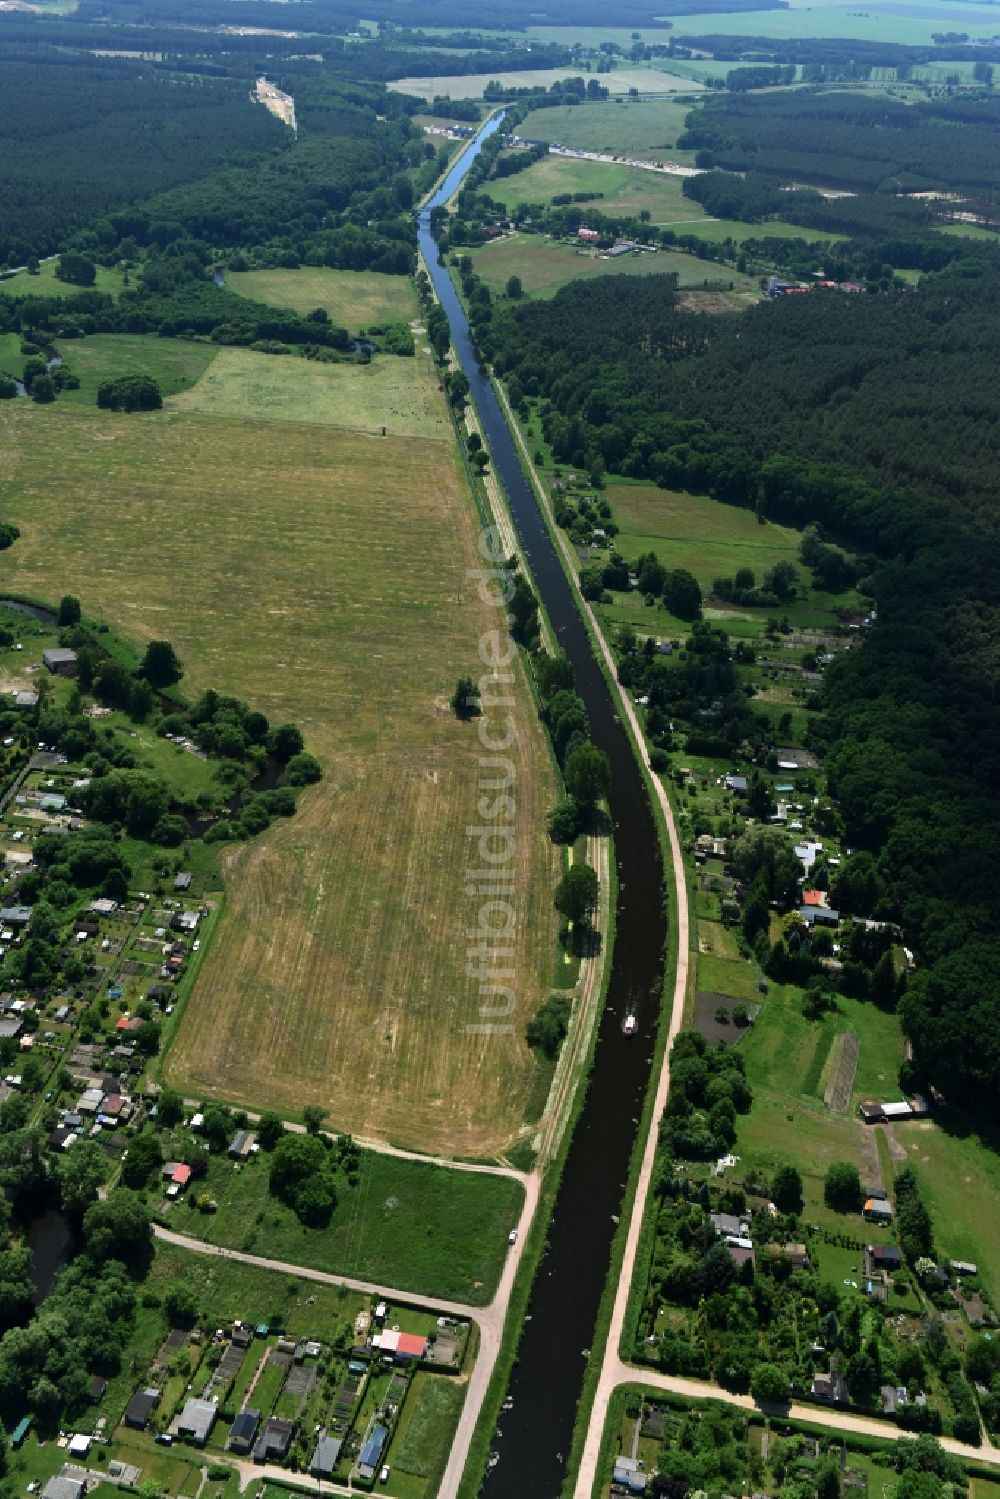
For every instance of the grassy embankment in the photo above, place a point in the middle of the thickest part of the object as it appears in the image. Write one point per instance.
(320, 575)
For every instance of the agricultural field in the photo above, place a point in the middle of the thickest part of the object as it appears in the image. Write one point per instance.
(407, 1224)
(471, 85)
(399, 394)
(880, 22)
(354, 299)
(279, 559)
(544, 265)
(646, 129)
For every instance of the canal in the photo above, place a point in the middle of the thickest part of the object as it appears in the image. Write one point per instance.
(545, 1389)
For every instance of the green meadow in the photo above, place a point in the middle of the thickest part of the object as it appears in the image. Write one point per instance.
(46, 283)
(646, 129)
(353, 299)
(544, 265)
(412, 1225)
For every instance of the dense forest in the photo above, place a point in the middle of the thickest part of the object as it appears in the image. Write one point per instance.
(880, 418)
(837, 58)
(339, 194)
(78, 138)
(851, 141)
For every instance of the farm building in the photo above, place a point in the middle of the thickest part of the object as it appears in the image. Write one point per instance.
(25, 699)
(183, 880)
(60, 661)
(728, 1225)
(588, 236)
(185, 921)
(877, 1210)
(242, 1144)
(830, 1387)
(15, 915)
(819, 916)
(885, 1257)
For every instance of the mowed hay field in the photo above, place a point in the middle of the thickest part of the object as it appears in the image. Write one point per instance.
(354, 299)
(398, 394)
(626, 190)
(544, 265)
(646, 129)
(320, 574)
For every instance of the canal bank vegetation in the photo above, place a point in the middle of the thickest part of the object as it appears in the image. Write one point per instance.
(728, 993)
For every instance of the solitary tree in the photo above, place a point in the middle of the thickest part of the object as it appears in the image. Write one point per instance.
(42, 390)
(842, 1187)
(787, 1190)
(576, 894)
(682, 594)
(514, 288)
(69, 610)
(465, 698)
(270, 1130)
(160, 665)
(312, 1117)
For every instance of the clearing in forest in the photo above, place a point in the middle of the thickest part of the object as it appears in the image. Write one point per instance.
(322, 576)
(354, 299)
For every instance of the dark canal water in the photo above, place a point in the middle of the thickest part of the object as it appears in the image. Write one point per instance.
(535, 1434)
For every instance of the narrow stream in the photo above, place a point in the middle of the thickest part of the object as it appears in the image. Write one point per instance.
(535, 1434)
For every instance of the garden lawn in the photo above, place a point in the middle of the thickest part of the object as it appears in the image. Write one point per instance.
(421, 1441)
(408, 1224)
(354, 299)
(959, 1176)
